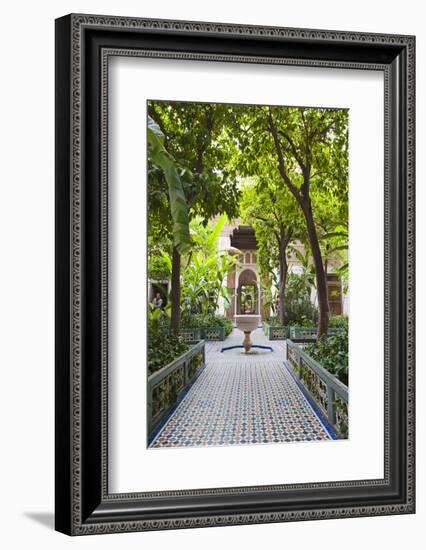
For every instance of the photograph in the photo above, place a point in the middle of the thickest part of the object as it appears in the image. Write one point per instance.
(248, 275)
(210, 298)
(235, 273)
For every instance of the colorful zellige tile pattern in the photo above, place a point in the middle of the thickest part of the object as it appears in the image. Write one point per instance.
(242, 400)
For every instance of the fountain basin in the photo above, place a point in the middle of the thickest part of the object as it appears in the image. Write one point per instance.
(247, 323)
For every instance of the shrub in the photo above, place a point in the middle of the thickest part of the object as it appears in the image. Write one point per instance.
(207, 320)
(303, 322)
(339, 321)
(273, 321)
(224, 322)
(300, 312)
(163, 348)
(331, 352)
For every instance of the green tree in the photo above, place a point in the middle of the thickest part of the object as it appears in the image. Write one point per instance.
(205, 270)
(161, 160)
(271, 210)
(195, 136)
(311, 150)
(307, 149)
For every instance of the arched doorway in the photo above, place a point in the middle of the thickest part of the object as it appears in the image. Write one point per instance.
(247, 293)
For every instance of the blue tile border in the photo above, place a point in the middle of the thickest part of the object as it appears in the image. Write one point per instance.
(314, 407)
(173, 408)
(192, 415)
(240, 346)
(159, 440)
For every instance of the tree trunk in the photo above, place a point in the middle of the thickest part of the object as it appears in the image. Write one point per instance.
(283, 280)
(175, 292)
(319, 269)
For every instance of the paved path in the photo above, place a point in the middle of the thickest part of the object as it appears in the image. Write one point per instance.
(242, 399)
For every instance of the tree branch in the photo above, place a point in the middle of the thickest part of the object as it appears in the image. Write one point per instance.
(199, 161)
(294, 150)
(281, 166)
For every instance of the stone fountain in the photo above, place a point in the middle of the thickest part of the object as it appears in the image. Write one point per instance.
(247, 323)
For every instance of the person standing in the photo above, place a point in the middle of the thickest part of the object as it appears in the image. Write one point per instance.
(157, 301)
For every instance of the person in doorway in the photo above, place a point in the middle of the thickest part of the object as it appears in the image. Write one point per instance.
(157, 301)
(277, 305)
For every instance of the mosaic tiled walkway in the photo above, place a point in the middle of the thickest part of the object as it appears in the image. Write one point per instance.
(242, 399)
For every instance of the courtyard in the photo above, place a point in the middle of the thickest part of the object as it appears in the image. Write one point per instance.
(248, 274)
(243, 398)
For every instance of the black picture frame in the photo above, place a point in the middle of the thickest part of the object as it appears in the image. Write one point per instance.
(83, 504)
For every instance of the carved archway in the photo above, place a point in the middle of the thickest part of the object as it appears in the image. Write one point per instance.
(247, 293)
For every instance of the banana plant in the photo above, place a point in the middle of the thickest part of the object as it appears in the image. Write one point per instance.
(307, 278)
(154, 316)
(335, 245)
(178, 205)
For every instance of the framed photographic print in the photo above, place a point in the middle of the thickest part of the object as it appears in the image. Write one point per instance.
(234, 274)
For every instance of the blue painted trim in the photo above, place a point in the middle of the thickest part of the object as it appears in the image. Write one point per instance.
(172, 409)
(230, 347)
(240, 346)
(314, 406)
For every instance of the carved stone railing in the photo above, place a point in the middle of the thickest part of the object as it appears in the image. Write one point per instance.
(190, 334)
(276, 332)
(328, 393)
(167, 384)
(202, 333)
(309, 334)
(213, 333)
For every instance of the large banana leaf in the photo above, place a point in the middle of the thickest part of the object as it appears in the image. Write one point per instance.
(212, 239)
(178, 205)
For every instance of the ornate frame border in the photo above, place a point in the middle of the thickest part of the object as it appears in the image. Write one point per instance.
(86, 507)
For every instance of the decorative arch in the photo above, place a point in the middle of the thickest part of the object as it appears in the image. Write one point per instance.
(247, 292)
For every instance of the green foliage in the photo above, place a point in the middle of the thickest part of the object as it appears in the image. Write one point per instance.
(204, 275)
(339, 321)
(203, 282)
(300, 312)
(208, 320)
(332, 353)
(196, 135)
(274, 321)
(204, 236)
(268, 206)
(308, 149)
(178, 206)
(302, 282)
(303, 322)
(336, 321)
(163, 348)
(159, 264)
(298, 308)
(154, 317)
(276, 218)
(334, 246)
(269, 293)
(314, 144)
(204, 272)
(288, 165)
